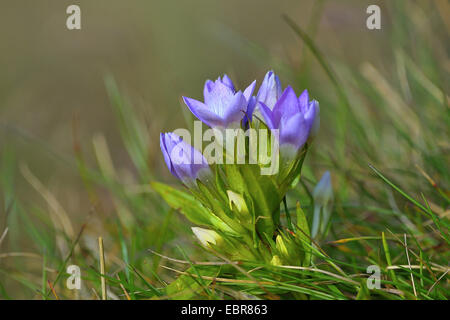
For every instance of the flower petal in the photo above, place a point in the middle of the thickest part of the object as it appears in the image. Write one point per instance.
(227, 81)
(219, 98)
(268, 115)
(303, 101)
(162, 142)
(294, 130)
(270, 90)
(250, 109)
(287, 105)
(201, 111)
(249, 91)
(185, 162)
(207, 88)
(312, 117)
(236, 109)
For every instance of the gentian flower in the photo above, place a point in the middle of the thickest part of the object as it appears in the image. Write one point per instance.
(184, 162)
(295, 118)
(223, 106)
(269, 93)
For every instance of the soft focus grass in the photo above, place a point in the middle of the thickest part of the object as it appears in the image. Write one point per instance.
(384, 137)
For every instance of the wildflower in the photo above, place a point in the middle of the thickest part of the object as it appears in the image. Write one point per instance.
(295, 118)
(239, 202)
(183, 161)
(223, 106)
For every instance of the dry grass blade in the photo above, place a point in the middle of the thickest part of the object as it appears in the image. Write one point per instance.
(53, 290)
(436, 282)
(409, 265)
(3, 235)
(400, 267)
(322, 271)
(123, 289)
(200, 263)
(59, 215)
(20, 254)
(219, 279)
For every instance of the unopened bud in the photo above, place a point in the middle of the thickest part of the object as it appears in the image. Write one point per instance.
(206, 236)
(281, 246)
(276, 261)
(238, 201)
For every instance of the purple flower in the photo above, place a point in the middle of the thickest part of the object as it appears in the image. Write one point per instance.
(183, 161)
(223, 106)
(295, 118)
(269, 93)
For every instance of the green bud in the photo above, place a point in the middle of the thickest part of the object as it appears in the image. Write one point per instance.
(207, 237)
(281, 246)
(276, 261)
(288, 250)
(238, 201)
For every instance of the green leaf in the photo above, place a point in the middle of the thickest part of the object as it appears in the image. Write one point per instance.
(190, 286)
(304, 234)
(266, 198)
(234, 178)
(190, 207)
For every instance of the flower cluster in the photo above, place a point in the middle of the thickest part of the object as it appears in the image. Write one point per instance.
(240, 206)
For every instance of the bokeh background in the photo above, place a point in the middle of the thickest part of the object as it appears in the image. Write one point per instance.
(57, 117)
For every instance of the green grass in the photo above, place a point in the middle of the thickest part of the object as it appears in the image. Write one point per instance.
(384, 137)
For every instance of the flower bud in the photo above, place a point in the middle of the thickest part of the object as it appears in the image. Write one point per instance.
(207, 236)
(237, 200)
(276, 261)
(281, 246)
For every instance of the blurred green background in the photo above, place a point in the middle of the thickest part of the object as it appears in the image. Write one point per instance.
(55, 109)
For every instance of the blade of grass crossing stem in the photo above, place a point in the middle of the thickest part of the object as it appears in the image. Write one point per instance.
(123, 288)
(152, 288)
(409, 264)
(199, 277)
(435, 219)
